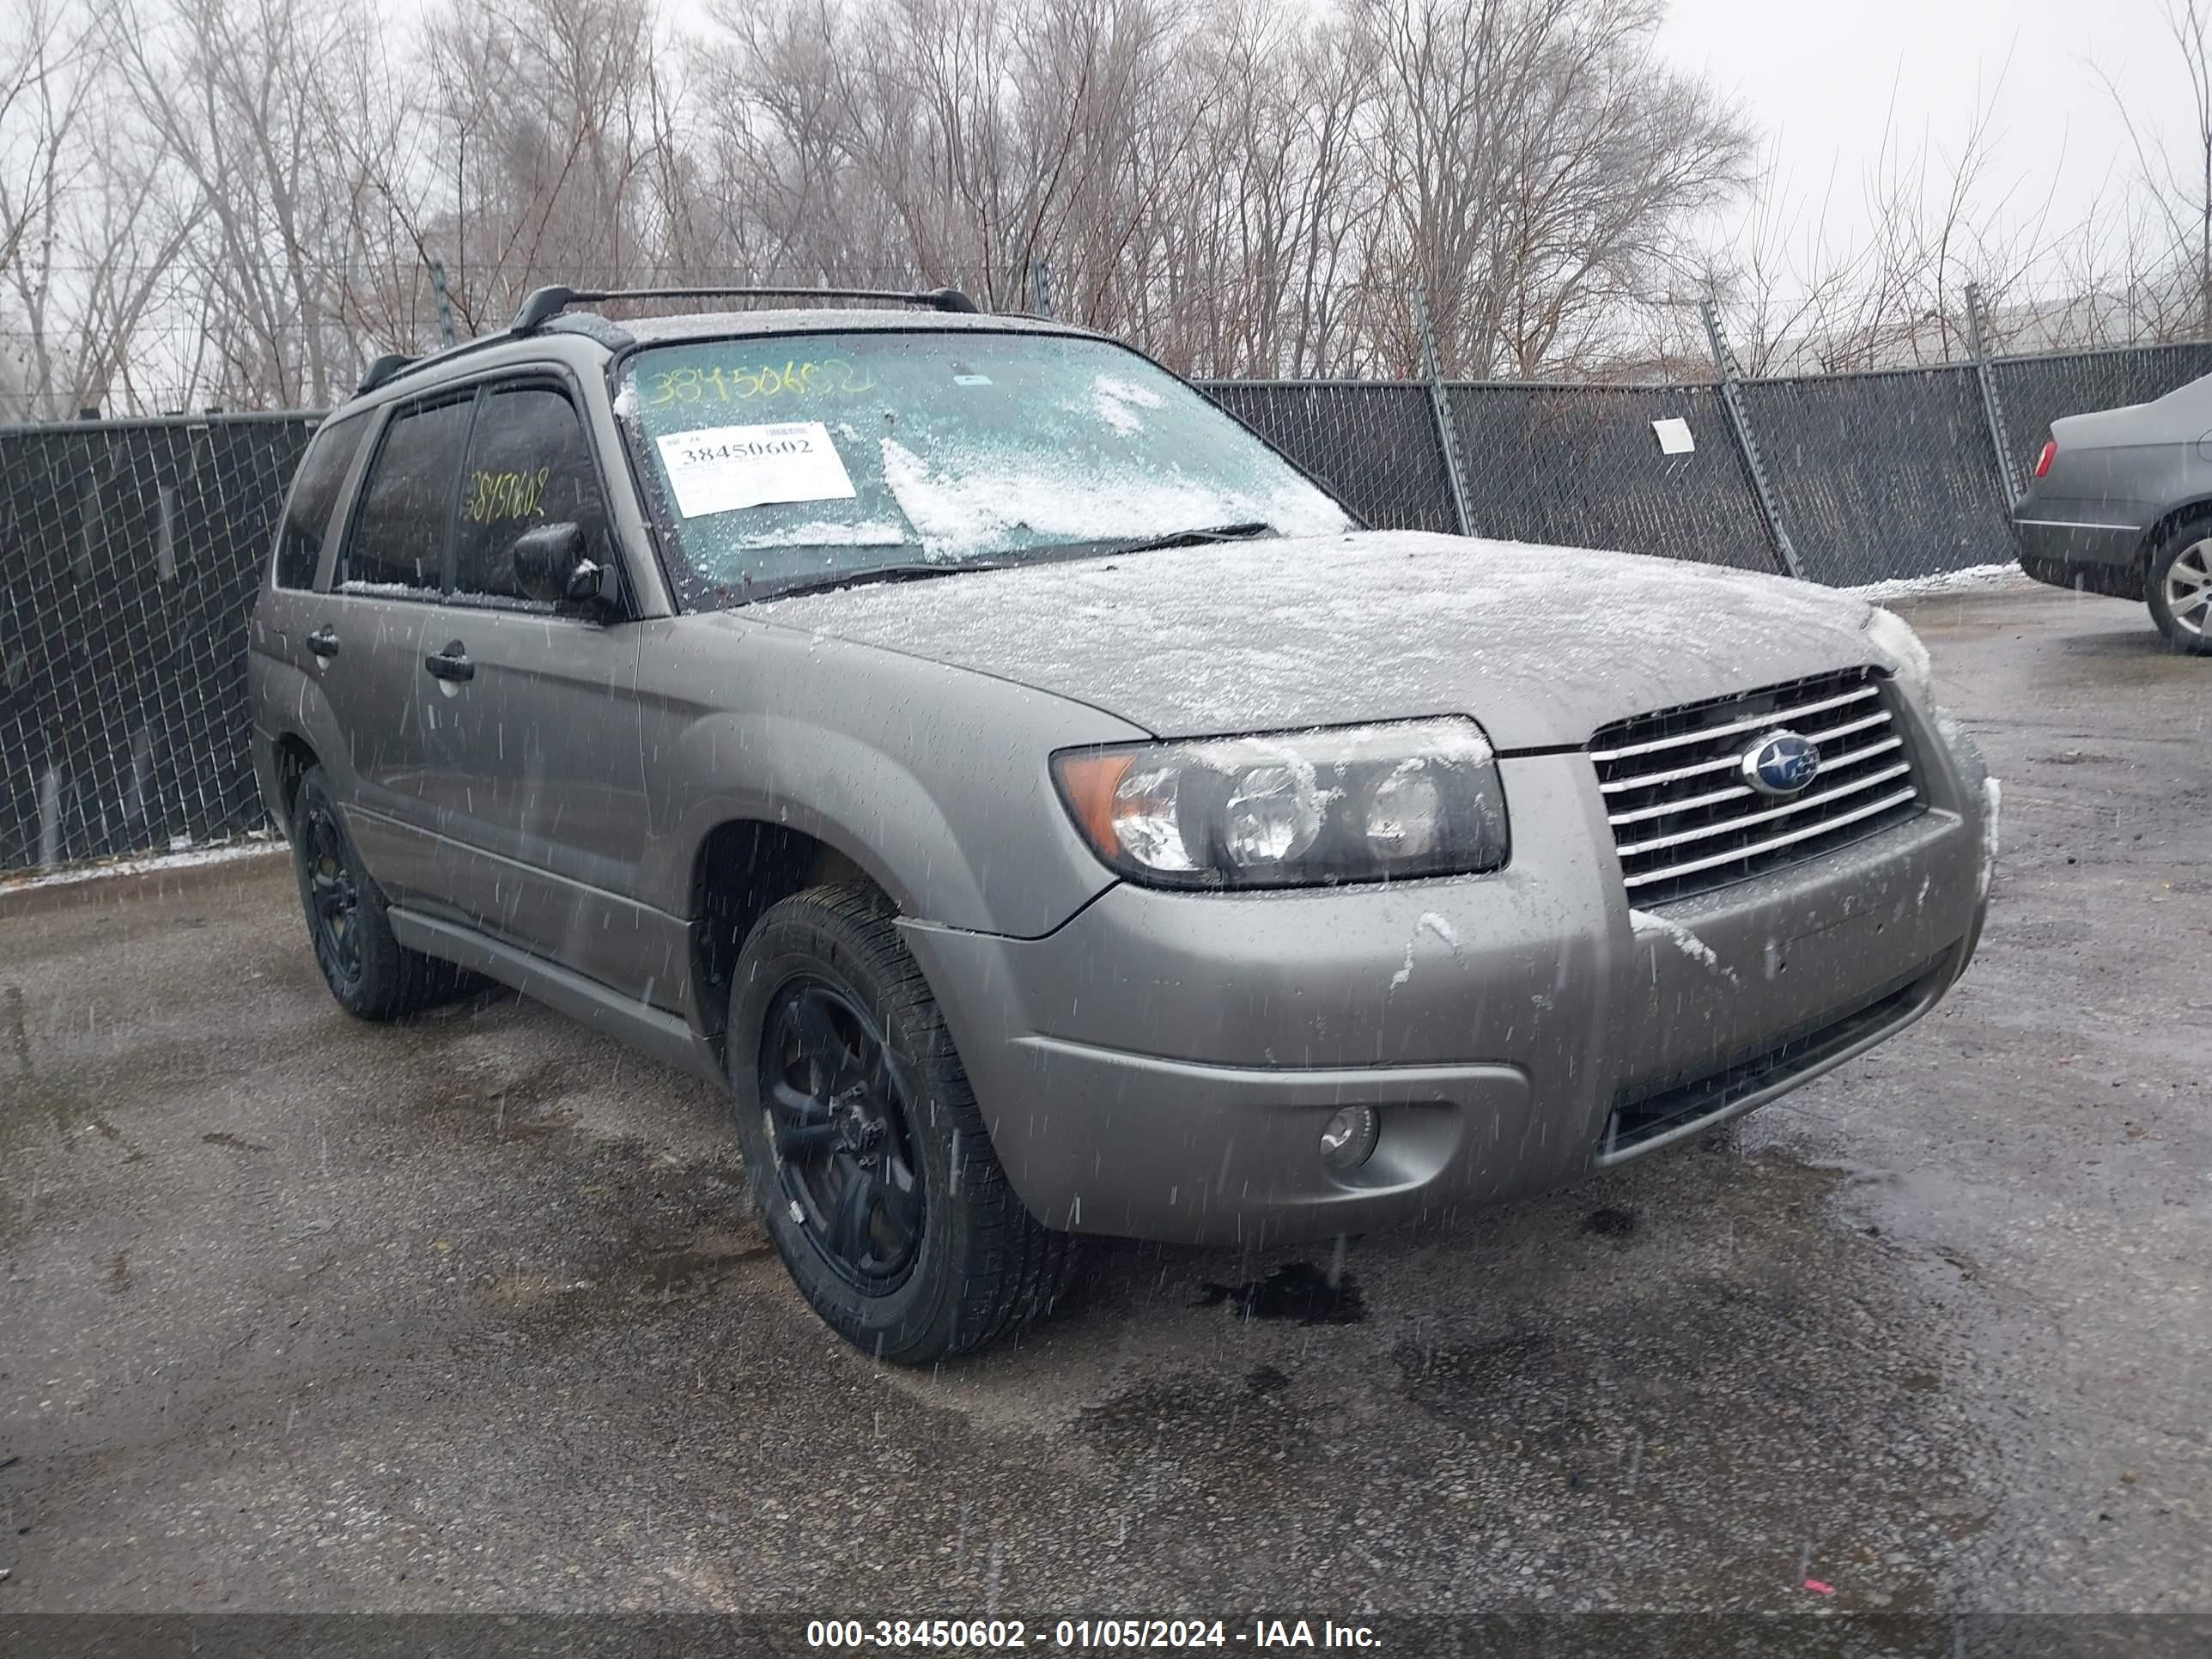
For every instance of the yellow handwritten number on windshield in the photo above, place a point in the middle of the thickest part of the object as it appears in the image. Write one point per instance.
(832, 376)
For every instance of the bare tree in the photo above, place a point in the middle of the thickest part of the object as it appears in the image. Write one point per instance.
(1246, 187)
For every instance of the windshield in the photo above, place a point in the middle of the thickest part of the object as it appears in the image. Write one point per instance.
(785, 460)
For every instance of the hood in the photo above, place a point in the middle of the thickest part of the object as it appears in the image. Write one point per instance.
(1542, 645)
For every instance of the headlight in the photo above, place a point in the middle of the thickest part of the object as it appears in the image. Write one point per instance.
(1900, 647)
(1369, 803)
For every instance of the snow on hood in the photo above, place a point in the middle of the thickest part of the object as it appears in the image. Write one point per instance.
(1542, 645)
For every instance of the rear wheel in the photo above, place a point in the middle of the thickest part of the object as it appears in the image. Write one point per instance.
(2181, 589)
(369, 972)
(875, 1176)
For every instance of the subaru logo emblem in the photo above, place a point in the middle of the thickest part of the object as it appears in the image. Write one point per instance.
(1780, 763)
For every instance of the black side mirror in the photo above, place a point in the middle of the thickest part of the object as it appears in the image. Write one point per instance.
(552, 565)
(545, 558)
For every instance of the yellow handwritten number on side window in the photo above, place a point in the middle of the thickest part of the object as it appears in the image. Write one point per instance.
(496, 495)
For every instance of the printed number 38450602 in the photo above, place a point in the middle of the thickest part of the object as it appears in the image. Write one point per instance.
(691, 385)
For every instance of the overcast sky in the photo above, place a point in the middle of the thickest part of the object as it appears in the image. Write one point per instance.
(1820, 81)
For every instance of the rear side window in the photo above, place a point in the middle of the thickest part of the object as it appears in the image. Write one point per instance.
(399, 538)
(314, 492)
(529, 465)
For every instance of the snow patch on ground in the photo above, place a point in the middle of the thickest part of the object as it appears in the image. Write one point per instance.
(183, 858)
(1908, 587)
(1683, 939)
(1992, 803)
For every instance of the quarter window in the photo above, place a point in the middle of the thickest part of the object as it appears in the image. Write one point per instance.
(529, 465)
(314, 493)
(399, 535)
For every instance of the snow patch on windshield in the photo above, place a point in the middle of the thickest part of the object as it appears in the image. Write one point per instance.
(962, 507)
(1116, 401)
(827, 533)
(625, 401)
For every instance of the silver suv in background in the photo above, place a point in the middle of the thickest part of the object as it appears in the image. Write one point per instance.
(1048, 812)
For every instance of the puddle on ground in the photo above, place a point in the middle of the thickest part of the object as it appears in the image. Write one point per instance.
(1690, 1378)
(1297, 1291)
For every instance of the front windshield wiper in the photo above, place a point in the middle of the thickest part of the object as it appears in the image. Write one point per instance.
(1250, 530)
(753, 592)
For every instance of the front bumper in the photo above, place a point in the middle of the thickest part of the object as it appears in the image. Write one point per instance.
(1161, 1066)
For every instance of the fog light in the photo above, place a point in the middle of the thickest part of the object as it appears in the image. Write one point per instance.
(1348, 1140)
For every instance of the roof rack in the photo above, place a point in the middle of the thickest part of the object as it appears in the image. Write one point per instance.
(382, 370)
(546, 303)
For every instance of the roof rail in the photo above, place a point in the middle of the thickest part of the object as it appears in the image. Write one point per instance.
(382, 370)
(546, 303)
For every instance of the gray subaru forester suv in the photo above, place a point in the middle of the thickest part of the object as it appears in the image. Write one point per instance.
(1049, 813)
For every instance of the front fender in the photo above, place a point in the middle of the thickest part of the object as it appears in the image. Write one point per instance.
(935, 780)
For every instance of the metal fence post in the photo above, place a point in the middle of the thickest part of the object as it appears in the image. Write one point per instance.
(1992, 409)
(445, 301)
(1740, 418)
(1433, 371)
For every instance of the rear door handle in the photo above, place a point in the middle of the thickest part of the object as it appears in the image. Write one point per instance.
(451, 663)
(323, 641)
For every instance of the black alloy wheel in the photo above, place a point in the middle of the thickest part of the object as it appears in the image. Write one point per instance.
(333, 894)
(842, 1127)
(865, 1150)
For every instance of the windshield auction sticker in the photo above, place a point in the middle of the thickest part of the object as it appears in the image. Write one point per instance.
(719, 469)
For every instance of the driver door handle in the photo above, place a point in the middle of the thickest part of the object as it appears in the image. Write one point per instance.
(451, 663)
(323, 641)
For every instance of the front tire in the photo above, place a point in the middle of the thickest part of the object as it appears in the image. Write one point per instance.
(874, 1173)
(2181, 589)
(371, 974)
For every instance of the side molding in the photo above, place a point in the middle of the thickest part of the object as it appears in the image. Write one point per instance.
(665, 1036)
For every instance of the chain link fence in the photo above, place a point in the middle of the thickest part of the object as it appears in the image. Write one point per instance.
(1373, 444)
(130, 550)
(1883, 474)
(2036, 391)
(129, 554)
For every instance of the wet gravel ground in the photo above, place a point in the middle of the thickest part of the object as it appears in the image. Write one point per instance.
(301, 1314)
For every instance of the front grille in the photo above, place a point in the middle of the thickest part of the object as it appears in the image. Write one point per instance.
(1663, 1106)
(1685, 821)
